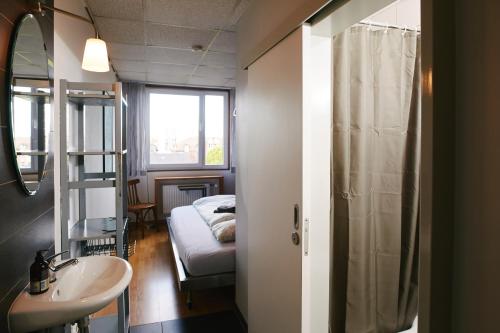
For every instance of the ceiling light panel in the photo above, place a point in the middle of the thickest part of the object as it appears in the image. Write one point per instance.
(165, 78)
(220, 59)
(230, 83)
(130, 65)
(126, 51)
(225, 42)
(132, 76)
(175, 37)
(175, 70)
(215, 72)
(207, 81)
(123, 9)
(172, 56)
(202, 14)
(241, 7)
(121, 31)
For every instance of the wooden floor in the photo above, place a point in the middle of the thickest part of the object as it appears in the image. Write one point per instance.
(154, 296)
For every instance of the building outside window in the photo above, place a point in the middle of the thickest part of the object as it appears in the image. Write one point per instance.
(188, 129)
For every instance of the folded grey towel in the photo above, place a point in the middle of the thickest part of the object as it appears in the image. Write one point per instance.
(225, 209)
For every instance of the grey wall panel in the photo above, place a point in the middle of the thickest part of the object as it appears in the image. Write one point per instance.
(7, 170)
(26, 223)
(18, 210)
(17, 253)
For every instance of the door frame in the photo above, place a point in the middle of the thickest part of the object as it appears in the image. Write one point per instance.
(438, 165)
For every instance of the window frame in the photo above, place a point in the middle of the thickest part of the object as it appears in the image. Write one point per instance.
(201, 93)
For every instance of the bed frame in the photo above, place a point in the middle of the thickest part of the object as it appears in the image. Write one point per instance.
(188, 283)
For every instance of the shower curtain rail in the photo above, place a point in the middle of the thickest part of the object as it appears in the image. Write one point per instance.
(390, 26)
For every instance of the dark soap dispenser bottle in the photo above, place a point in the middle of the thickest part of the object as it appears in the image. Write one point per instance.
(39, 274)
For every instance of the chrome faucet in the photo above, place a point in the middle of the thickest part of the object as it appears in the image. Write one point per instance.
(51, 260)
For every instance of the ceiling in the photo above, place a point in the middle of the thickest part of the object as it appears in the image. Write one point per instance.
(151, 40)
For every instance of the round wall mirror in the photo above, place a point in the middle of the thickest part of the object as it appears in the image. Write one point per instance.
(29, 101)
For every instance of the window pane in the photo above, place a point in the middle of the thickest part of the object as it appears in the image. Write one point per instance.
(22, 130)
(174, 129)
(214, 130)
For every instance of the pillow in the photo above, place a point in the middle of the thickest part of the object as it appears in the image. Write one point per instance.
(225, 231)
(219, 218)
(216, 200)
(206, 206)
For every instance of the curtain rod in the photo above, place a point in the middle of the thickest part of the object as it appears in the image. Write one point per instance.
(379, 25)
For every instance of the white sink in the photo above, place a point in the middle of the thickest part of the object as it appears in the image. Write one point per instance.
(80, 290)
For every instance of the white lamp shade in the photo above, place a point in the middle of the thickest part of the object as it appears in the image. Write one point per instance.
(95, 56)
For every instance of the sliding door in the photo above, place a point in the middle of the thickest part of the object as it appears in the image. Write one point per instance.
(272, 118)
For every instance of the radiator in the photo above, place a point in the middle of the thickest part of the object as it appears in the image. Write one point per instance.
(181, 195)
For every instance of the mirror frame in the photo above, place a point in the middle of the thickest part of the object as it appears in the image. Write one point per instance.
(10, 101)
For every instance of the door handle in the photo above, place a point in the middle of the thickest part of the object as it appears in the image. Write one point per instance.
(296, 217)
(296, 225)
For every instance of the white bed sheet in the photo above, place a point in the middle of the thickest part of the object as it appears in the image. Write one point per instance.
(200, 252)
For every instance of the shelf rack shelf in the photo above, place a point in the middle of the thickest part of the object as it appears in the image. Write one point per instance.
(94, 153)
(91, 184)
(99, 228)
(88, 236)
(92, 99)
(32, 153)
(32, 96)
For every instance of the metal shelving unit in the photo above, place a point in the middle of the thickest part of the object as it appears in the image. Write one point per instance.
(90, 236)
(88, 229)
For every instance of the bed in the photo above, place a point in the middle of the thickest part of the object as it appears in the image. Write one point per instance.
(201, 260)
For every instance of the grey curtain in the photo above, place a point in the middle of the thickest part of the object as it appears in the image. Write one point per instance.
(136, 128)
(375, 174)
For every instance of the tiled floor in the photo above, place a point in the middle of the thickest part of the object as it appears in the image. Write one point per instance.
(222, 322)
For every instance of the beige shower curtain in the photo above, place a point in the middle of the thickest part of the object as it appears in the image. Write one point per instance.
(375, 166)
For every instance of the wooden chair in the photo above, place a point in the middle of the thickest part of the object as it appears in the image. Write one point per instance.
(137, 207)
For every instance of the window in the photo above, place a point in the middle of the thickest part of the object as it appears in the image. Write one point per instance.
(188, 129)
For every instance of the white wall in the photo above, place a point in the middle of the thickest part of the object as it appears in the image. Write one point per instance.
(316, 182)
(241, 200)
(146, 187)
(69, 41)
(400, 13)
(100, 202)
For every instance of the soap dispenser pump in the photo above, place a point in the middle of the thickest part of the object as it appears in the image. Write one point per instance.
(39, 274)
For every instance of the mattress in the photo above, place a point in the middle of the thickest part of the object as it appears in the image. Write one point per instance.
(198, 249)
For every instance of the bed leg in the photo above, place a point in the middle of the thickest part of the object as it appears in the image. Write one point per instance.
(189, 300)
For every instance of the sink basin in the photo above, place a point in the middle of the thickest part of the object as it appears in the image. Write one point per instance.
(80, 290)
